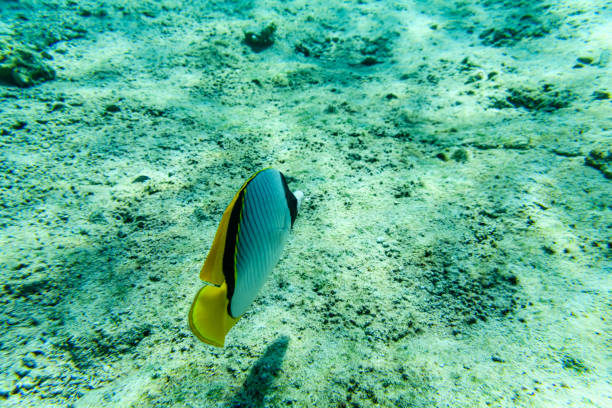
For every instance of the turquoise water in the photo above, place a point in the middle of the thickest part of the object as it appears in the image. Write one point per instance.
(452, 248)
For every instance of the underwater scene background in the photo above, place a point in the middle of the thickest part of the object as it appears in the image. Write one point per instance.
(452, 249)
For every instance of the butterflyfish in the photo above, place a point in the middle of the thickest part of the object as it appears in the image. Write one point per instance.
(246, 247)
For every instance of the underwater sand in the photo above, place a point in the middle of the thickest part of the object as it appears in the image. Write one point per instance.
(453, 248)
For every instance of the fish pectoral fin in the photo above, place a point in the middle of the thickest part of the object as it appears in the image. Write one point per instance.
(208, 317)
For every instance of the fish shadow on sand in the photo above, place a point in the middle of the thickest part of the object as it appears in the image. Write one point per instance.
(262, 376)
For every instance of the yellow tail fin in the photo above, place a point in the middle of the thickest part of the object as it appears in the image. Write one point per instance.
(208, 317)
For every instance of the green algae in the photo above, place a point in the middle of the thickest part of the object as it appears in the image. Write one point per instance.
(22, 66)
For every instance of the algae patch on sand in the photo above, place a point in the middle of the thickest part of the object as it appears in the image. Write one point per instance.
(22, 66)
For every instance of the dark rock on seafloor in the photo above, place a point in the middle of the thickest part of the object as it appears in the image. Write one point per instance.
(523, 27)
(262, 40)
(545, 100)
(29, 362)
(601, 95)
(442, 156)
(369, 61)
(20, 124)
(112, 108)
(585, 60)
(601, 161)
(460, 155)
(140, 179)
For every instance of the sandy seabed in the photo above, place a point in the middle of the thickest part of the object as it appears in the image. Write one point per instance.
(453, 248)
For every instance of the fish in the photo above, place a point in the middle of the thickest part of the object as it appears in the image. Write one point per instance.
(247, 246)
